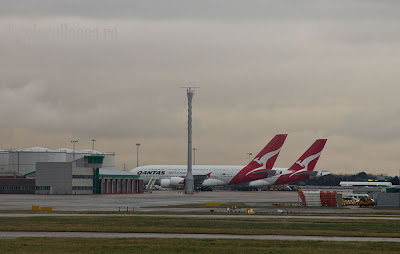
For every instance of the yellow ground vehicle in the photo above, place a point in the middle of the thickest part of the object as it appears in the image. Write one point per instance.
(349, 201)
(366, 202)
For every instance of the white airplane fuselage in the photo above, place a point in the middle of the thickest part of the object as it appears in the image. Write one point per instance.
(216, 175)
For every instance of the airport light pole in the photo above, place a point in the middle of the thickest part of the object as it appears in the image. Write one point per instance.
(194, 156)
(137, 154)
(189, 180)
(93, 140)
(73, 150)
(250, 154)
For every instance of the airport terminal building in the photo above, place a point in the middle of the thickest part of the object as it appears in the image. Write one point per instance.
(23, 161)
(85, 175)
(77, 177)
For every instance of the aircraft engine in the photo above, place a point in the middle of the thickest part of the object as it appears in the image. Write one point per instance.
(177, 181)
(258, 183)
(165, 183)
(173, 181)
(213, 182)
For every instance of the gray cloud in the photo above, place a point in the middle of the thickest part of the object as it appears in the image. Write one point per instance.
(233, 10)
(313, 69)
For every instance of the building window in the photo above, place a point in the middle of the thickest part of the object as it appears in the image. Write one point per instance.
(42, 187)
(82, 187)
(82, 176)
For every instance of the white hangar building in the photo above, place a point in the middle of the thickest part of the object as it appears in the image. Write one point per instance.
(24, 161)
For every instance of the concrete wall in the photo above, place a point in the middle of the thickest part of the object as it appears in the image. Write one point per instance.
(109, 160)
(4, 161)
(57, 175)
(17, 186)
(24, 162)
(387, 199)
(370, 190)
(82, 180)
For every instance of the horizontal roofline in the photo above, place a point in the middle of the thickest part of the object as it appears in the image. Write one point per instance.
(133, 176)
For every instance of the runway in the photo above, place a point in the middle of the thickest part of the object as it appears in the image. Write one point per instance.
(208, 216)
(13, 235)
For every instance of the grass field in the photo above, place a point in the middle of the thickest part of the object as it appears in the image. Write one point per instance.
(240, 225)
(209, 246)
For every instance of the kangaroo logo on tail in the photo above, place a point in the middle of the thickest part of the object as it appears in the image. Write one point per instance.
(309, 159)
(305, 163)
(263, 160)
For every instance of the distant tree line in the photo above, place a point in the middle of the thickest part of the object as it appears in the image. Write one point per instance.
(335, 179)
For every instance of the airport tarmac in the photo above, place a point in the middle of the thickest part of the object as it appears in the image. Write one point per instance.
(149, 202)
(141, 202)
(13, 235)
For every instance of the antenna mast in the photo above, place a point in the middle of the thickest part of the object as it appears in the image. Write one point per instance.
(189, 180)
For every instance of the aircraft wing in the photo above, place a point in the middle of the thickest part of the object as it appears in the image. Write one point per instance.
(266, 172)
(199, 179)
(310, 173)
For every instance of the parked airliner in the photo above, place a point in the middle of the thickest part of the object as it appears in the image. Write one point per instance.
(258, 172)
(213, 175)
(302, 169)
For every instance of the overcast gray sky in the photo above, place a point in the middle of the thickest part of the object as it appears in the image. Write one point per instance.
(112, 70)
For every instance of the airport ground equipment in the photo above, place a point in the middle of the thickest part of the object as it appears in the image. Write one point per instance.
(151, 183)
(357, 196)
(349, 201)
(318, 198)
(366, 202)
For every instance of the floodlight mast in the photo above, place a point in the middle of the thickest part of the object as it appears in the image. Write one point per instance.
(189, 180)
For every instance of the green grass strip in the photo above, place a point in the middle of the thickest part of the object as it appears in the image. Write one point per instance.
(209, 246)
(240, 225)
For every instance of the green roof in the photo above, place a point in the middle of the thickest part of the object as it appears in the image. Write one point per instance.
(33, 172)
(111, 172)
(95, 159)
